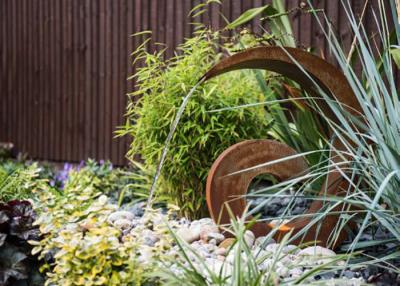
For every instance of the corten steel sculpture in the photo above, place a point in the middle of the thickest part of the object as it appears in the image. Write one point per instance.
(225, 187)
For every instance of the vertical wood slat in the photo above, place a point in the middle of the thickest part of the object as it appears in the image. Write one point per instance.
(82, 77)
(14, 33)
(87, 90)
(3, 118)
(6, 69)
(26, 35)
(115, 76)
(75, 82)
(49, 75)
(332, 12)
(122, 52)
(42, 94)
(35, 34)
(14, 37)
(95, 95)
(317, 36)
(64, 120)
(64, 65)
(106, 117)
(59, 83)
(101, 78)
(169, 33)
(10, 62)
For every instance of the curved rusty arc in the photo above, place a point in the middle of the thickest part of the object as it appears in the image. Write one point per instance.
(277, 59)
(251, 153)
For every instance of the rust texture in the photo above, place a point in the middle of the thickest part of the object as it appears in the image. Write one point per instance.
(225, 187)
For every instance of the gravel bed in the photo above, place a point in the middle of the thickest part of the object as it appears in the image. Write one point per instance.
(213, 247)
(290, 203)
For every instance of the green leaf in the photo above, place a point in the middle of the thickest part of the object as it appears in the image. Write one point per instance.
(280, 25)
(280, 8)
(247, 16)
(395, 52)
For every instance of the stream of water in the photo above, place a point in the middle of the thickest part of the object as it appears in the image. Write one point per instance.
(168, 140)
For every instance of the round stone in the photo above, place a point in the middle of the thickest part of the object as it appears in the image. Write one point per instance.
(221, 251)
(120, 215)
(273, 247)
(221, 257)
(187, 234)
(295, 272)
(282, 271)
(122, 224)
(207, 230)
(316, 251)
(137, 210)
(293, 249)
(218, 237)
(263, 241)
(249, 238)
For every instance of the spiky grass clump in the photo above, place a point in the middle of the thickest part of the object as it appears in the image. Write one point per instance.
(372, 140)
(370, 159)
(18, 181)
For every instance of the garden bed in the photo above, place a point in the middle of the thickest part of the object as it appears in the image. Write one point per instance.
(79, 234)
(149, 223)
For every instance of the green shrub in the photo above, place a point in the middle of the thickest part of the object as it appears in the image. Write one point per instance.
(78, 246)
(122, 185)
(201, 136)
(18, 181)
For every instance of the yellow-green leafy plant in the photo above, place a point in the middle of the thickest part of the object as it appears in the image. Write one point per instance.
(201, 136)
(78, 245)
(18, 181)
(81, 245)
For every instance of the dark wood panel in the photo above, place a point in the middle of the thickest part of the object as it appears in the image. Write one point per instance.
(64, 64)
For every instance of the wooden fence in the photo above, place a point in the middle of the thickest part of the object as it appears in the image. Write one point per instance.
(64, 65)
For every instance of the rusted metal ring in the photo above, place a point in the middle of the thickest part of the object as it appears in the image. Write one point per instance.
(227, 188)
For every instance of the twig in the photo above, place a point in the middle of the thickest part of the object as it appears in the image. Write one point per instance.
(353, 44)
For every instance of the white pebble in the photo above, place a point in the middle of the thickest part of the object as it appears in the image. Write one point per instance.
(213, 242)
(120, 215)
(293, 249)
(295, 272)
(187, 234)
(221, 251)
(263, 241)
(122, 224)
(221, 257)
(282, 271)
(316, 251)
(206, 230)
(273, 247)
(219, 237)
(249, 238)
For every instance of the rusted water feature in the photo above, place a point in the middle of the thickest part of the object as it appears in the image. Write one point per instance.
(307, 70)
